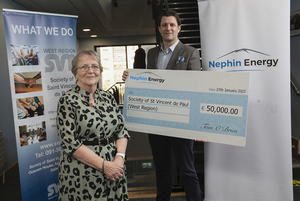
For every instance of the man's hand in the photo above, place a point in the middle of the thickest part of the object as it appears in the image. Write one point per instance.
(125, 75)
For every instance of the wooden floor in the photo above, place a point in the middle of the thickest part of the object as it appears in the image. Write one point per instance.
(147, 192)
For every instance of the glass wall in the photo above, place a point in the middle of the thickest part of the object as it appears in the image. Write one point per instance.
(116, 59)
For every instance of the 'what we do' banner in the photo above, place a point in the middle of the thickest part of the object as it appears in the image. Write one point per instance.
(40, 48)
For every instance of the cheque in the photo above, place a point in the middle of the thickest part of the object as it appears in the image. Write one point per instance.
(209, 106)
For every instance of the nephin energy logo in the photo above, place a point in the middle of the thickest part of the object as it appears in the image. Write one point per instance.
(147, 77)
(234, 64)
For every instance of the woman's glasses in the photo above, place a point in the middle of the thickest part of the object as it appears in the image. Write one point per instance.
(86, 68)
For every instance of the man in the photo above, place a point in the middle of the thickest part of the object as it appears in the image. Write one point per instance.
(139, 58)
(173, 55)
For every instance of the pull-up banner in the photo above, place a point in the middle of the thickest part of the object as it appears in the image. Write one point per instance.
(251, 36)
(40, 48)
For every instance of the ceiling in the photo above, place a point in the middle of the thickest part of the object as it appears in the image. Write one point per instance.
(129, 18)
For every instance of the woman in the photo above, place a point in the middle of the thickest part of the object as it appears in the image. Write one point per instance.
(93, 137)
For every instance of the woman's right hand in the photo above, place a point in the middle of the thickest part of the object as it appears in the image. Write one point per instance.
(125, 75)
(113, 171)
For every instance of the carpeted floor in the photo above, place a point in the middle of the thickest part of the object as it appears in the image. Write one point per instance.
(11, 191)
(153, 199)
(296, 193)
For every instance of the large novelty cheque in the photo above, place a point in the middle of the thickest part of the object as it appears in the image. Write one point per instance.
(209, 106)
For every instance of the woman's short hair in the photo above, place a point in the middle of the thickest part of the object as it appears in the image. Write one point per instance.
(80, 54)
(169, 13)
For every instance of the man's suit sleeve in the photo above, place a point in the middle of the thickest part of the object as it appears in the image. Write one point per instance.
(151, 58)
(194, 62)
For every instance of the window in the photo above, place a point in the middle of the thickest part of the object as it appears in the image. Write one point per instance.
(116, 59)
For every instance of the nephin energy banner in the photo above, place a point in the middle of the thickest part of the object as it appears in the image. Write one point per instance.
(254, 37)
(40, 48)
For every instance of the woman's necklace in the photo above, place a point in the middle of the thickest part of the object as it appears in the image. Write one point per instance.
(92, 100)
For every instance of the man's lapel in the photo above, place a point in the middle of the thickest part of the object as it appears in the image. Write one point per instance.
(174, 56)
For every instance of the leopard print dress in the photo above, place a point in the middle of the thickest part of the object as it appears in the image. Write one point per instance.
(79, 120)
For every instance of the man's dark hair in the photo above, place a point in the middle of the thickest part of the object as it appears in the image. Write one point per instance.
(169, 13)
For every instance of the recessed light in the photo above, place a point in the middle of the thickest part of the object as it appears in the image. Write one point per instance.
(93, 36)
(86, 29)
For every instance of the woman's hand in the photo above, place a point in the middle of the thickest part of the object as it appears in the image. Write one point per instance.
(119, 160)
(113, 171)
(121, 145)
(125, 75)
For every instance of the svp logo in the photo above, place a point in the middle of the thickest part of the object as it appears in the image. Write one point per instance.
(52, 191)
(244, 58)
(147, 77)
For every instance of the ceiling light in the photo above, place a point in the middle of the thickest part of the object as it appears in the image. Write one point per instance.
(93, 36)
(86, 29)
